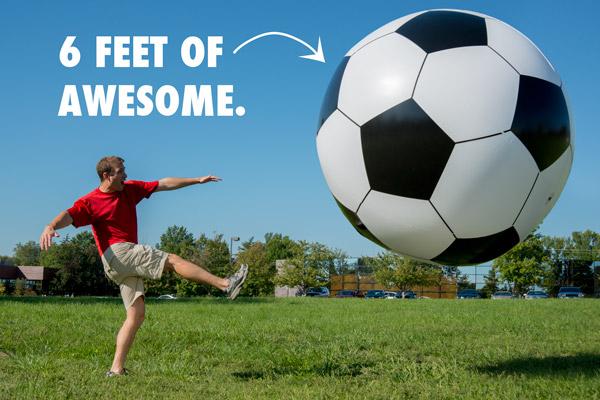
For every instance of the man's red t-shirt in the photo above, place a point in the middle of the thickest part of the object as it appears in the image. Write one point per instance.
(112, 215)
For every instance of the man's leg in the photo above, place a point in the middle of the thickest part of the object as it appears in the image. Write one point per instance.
(193, 272)
(230, 285)
(135, 317)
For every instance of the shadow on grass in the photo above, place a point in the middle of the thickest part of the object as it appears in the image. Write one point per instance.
(320, 369)
(580, 364)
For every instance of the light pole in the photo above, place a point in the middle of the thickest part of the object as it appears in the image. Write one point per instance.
(235, 238)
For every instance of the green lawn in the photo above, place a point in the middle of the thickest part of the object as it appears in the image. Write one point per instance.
(304, 348)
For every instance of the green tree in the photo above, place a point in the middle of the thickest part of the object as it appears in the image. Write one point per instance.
(261, 274)
(84, 240)
(212, 254)
(20, 287)
(248, 243)
(571, 259)
(2, 289)
(176, 240)
(583, 250)
(491, 284)
(384, 274)
(525, 265)
(79, 267)
(556, 248)
(364, 265)
(311, 266)
(294, 273)
(585, 245)
(403, 273)
(279, 247)
(27, 254)
(324, 260)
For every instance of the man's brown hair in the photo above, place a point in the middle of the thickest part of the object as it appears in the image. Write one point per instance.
(108, 164)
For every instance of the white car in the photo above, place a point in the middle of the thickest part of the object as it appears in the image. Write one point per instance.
(168, 297)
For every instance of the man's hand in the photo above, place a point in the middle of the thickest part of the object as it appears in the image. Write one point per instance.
(62, 220)
(209, 178)
(178, 183)
(46, 238)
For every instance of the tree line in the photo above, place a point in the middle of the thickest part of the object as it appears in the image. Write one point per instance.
(550, 262)
(537, 261)
(79, 269)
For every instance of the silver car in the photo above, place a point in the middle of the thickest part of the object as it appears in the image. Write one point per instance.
(502, 295)
(570, 292)
(535, 294)
(317, 292)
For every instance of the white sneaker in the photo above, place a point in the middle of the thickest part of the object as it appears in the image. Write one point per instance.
(236, 281)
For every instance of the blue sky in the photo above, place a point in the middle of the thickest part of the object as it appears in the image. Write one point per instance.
(272, 181)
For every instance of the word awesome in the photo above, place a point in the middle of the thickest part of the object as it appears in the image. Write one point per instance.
(99, 100)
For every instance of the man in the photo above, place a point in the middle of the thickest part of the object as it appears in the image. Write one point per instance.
(110, 209)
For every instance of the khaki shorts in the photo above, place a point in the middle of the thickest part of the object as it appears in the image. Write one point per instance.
(128, 264)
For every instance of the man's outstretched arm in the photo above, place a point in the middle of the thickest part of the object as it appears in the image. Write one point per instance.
(178, 183)
(62, 220)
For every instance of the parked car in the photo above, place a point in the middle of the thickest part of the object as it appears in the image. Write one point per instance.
(502, 295)
(167, 297)
(468, 294)
(570, 292)
(535, 294)
(408, 294)
(390, 295)
(347, 293)
(375, 294)
(317, 292)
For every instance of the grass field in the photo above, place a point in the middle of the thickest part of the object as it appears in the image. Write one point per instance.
(304, 348)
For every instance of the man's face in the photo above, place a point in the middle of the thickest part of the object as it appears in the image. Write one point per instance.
(117, 178)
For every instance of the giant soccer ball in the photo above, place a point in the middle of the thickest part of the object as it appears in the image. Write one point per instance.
(446, 136)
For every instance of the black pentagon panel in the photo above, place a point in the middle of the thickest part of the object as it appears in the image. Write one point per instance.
(440, 30)
(358, 225)
(405, 152)
(541, 120)
(478, 250)
(330, 101)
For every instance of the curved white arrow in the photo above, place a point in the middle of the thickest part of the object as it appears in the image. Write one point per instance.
(317, 54)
